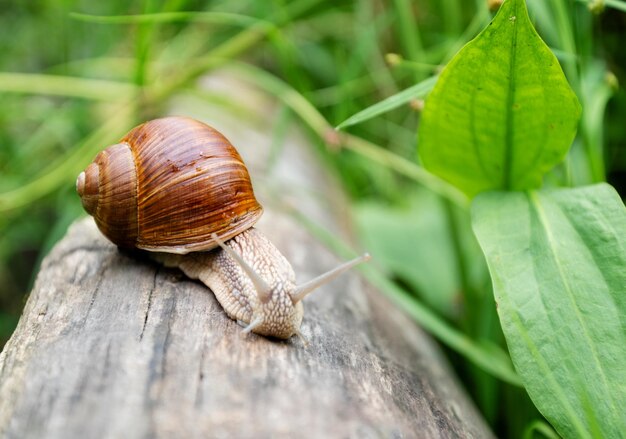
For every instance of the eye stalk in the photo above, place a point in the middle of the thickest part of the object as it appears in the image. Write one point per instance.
(308, 287)
(263, 290)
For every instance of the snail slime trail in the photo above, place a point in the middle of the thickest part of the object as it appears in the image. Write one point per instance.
(140, 195)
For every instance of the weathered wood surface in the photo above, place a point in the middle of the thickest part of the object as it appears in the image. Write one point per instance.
(110, 345)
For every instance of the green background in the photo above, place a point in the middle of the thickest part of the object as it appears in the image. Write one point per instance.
(62, 77)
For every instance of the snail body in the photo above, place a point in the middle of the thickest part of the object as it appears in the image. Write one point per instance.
(177, 187)
(276, 313)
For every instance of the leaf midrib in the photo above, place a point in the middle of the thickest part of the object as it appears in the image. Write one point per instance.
(510, 99)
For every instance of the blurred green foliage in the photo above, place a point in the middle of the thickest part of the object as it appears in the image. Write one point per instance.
(71, 84)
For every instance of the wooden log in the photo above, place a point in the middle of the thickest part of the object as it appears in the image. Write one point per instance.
(111, 345)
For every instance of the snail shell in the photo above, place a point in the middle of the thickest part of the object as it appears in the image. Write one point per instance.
(167, 186)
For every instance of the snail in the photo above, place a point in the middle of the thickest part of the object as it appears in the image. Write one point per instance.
(177, 188)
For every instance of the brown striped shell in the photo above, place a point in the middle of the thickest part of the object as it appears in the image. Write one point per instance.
(167, 186)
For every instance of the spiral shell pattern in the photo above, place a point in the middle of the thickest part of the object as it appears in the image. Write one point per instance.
(167, 186)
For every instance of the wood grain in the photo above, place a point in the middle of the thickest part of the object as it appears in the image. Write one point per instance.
(111, 345)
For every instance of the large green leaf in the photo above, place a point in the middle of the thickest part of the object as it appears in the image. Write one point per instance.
(558, 266)
(413, 242)
(502, 113)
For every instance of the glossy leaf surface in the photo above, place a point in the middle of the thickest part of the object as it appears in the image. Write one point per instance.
(502, 113)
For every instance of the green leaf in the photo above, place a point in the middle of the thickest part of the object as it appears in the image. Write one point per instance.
(413, 241)
(558, 266)
(417, 91)
(502, 113)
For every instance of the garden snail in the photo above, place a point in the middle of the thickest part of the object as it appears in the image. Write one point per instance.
(177, 187)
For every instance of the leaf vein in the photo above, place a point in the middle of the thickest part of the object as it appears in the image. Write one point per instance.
(510, 100)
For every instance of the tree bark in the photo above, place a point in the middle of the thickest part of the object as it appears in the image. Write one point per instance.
(112, 345)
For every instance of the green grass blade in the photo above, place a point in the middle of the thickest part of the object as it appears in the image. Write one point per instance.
(225, 18)
(540, 427)
(95, 89)
(557, 263)
(232, 47)
(419, 90)
(486, 356)
(66, 169)
(408, 29)
(143, 44)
